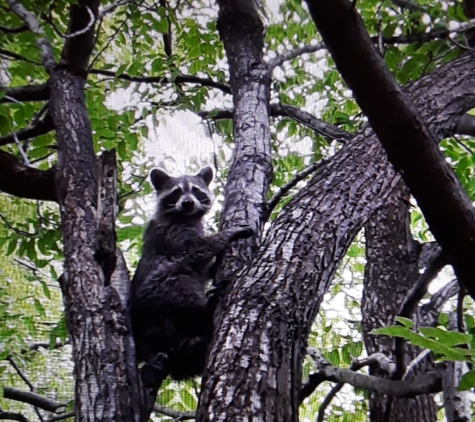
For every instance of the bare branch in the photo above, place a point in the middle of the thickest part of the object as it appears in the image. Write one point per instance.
(62, 416)
(272, 203)
(16, 56)
(430, 311)
(91, 23)
(31, 398)
(47, 56)
(329, 132)
(422, 384)
(25, 93)
(13, 416)
(408, 5)
(164, 80)
(38, 128)
(182, 416)
(320, 127)
(16, 30)
(292, 54)
(428, 36)
(104, 11)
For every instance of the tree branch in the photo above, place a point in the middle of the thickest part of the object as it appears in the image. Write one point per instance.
(16, 30)
(47, 56)
(164, 80)
(12, 416)
(25, 93)
(31, 398)
(41, 127)
(272, 203)
(428, 36)
(320, 127)
(182, 416)
(422, 384)
(292, 54)
(329, 132)
(410, 145)
(26, 182)
(16, 56)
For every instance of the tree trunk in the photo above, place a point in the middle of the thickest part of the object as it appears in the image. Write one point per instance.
(95, 280)
(255, 360)
(392, 259)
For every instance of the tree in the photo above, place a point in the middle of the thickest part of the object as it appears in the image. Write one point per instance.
(59, 70)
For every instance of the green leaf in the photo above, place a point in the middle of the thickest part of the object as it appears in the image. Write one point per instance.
(467, 382)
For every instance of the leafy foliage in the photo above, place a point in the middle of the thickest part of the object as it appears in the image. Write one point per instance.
(133, 91)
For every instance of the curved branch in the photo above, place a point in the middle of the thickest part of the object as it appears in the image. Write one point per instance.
(13, 416)
(26, 182)
(16, 30)
(164, 80)
(31, 398)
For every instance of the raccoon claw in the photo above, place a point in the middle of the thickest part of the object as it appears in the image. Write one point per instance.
(244, 232)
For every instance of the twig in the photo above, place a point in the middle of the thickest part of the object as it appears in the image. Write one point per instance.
(164, 80)
(24, 157)
(16, 30)
(428, 36)
(47, 56)
(26, 381)
(37, 128)
(272, 203)
(18, 231)
(419, 358)
(292, 54)
(92, 21)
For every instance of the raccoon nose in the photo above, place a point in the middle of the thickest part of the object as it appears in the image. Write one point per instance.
(187, 205)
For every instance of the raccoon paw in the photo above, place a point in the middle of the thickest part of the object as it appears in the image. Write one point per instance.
(155, 370)
(240, 232)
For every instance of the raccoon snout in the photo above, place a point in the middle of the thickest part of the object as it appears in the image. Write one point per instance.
(187, 205)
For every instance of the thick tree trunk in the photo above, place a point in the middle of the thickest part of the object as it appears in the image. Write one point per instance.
(95, 280)
(408, 141)
(392, 259)
(255, 362)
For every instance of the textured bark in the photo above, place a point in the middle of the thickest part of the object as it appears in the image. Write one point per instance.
(392, 269)
(255, 362)
(250, 173)
(407, 139)
(106, 386)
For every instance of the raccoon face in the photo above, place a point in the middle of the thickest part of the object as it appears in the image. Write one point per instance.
(186, 196)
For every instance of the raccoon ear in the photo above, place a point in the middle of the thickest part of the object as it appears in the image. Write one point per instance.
(206, 173)
(158, 178)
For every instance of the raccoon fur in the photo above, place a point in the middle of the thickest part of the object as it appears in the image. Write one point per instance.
(169, 308)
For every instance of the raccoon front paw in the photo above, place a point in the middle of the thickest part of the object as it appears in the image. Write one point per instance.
(241, 232)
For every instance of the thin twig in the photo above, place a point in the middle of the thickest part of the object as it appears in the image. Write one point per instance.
(92, 21)
(292, 54)
(272, 203)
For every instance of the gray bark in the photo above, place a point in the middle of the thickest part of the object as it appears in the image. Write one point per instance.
(255, 361)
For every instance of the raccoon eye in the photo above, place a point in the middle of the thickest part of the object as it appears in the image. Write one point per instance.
(196, 190)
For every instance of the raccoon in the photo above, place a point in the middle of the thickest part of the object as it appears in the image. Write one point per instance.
(172, 318)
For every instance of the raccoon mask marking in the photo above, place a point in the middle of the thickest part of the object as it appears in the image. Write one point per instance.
(185, 197)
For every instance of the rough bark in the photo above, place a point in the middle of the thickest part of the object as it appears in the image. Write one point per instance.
(408, 141)
(255, 363)
(392, 259)
(250, 173)
(106, 386)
